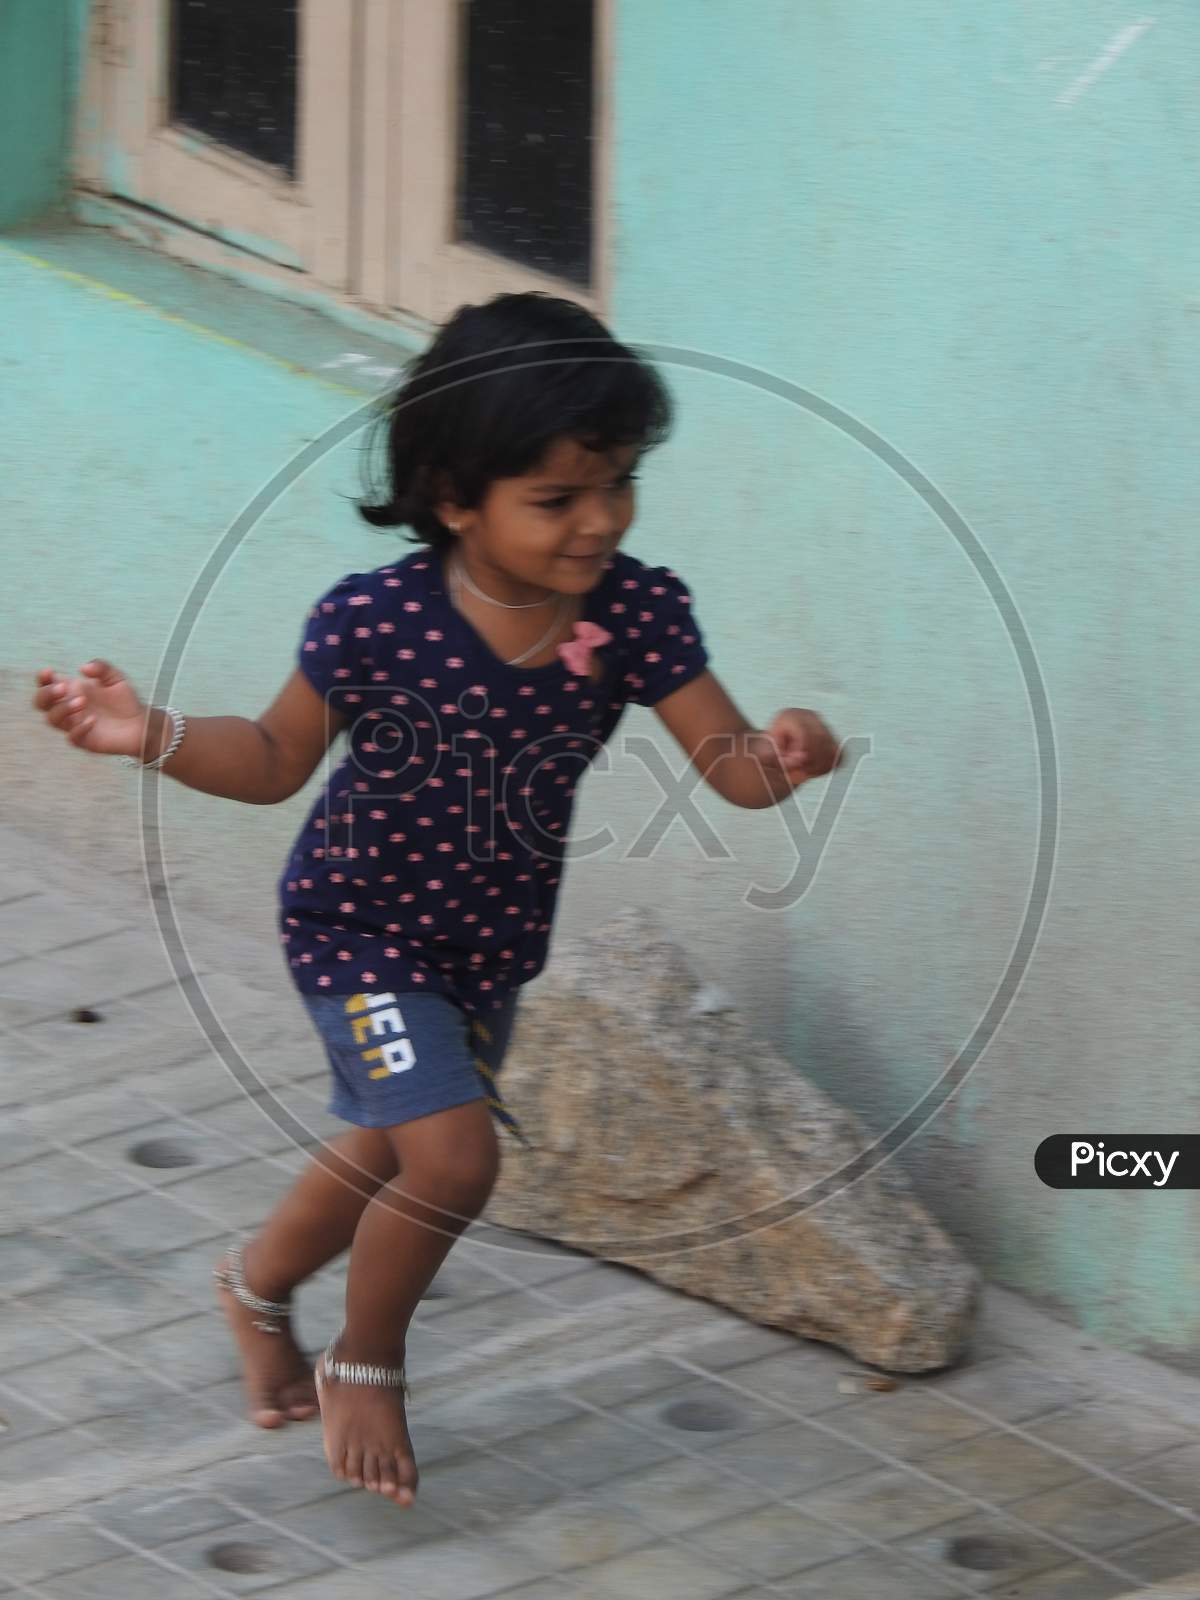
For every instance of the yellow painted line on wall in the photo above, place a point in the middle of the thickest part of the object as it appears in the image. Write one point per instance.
(121, 296)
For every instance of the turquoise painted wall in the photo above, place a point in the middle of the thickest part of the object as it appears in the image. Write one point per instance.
(39, 69)
(975, 229)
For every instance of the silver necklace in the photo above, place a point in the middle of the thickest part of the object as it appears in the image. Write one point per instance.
(459, 568)
(458, 576)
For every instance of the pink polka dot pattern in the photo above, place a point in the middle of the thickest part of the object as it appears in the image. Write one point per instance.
(479, 789)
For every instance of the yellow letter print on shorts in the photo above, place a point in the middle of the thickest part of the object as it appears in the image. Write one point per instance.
(379, 1015)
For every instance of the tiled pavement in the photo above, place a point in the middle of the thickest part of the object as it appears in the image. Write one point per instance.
(582, 1432)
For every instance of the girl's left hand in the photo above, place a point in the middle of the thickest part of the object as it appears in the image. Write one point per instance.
(797, 746)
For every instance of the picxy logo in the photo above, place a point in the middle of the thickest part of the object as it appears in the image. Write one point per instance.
(1119, 1161)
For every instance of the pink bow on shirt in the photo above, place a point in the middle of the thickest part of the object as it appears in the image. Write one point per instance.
(577, 652)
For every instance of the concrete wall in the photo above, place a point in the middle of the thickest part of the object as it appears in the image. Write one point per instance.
(39, 67)
(975, 229)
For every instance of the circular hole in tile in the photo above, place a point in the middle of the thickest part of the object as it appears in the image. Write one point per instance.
(979, 1553)
(238, 1557)
(85, 1014)
(164, 1153)
(700, 1416)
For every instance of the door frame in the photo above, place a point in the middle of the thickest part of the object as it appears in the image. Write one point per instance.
(140, 156)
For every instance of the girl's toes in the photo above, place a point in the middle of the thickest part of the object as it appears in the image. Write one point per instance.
(265, 1414)
(370, 1471)
(352, 1467)
(405, 1480)
(299, 1401)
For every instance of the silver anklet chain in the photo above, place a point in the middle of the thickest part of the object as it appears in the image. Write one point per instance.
(232, 1276)
(361, 1372)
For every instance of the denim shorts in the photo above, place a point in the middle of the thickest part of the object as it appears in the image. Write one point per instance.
(397, 1057)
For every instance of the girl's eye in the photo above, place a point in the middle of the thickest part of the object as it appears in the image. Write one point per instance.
(561, 501)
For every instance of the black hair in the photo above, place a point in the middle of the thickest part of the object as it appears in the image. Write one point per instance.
(499, 384)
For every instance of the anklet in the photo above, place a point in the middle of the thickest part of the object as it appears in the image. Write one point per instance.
(360, 1372)
(232, 1276)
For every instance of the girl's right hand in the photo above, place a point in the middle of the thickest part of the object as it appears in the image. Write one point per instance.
(98, 711)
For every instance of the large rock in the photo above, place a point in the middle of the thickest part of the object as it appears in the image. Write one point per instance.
(665, 1135)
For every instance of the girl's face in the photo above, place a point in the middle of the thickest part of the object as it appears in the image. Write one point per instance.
(555, 526)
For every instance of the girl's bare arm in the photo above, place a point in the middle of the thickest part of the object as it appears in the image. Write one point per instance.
(258, 761)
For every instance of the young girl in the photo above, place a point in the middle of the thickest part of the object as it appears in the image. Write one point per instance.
(475, 680)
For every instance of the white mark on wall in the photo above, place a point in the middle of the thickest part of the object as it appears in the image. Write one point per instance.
(1113, 50)
(363, 366)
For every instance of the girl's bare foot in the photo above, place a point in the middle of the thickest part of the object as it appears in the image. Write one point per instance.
(277, 1374)
(366, 1436)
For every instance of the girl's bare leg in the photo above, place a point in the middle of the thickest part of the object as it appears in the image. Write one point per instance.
(448, 1163)
(312, 1225)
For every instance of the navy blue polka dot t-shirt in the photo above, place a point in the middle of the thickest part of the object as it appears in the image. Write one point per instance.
(432, 861)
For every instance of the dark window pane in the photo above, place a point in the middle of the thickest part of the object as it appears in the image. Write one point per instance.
(233, 74)
(525, 166)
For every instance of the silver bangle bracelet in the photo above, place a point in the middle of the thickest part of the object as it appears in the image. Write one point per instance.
(178, 727)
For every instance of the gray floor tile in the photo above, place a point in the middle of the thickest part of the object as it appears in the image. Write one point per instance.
(145, 1224)
(999, 1467)
(127, 1578)
(361, 1526)
(139, 1151)
(36, 988)
(94, 1114)
(1162, 1556)
(27, 1340)
(269, 1483)
(886, 1504)
(492, 1416)
(1095, 1514)
(682, 1494)
(46, 920)
(480, 1493)
(773, 1541)
(123, 963)
(1174, 1477)
(23, 1416)
(619, 1382)
(187, 1270)
(867, 1577)
(460, 1568)
(241, 1195)
(905, 1423)
(485, 1318)
(155, 1516)
(224, 1555)
(1078, 1580)
(585, 1450)
(59, 1453)
(574, 1532)
(667, 1572)
(980, 1537)
(40, 1258)
(90, 1384)
(802, 1380)
(747, 1342)
(54, 1186)
(697, 1415)
(125, 1034)
(43, 1547)
(791, 1459)
(106, 1303)
(194, 1351)
(1009, 1388)
(594, 1283)
(1112, 1433)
